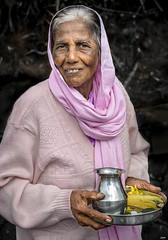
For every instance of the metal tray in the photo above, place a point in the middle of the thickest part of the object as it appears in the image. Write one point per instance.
(136, 218)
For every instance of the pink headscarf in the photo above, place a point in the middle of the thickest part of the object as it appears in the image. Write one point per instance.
(102, 121)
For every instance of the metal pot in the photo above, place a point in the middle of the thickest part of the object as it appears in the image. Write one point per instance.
(109, 183)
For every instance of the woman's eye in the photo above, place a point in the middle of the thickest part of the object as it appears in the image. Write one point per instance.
(83, 45)
(61, 47)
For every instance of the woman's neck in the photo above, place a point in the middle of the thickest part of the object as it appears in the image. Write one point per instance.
(85, 89)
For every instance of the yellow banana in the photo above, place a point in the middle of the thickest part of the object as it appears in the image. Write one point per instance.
(134, 190)
(144, 201)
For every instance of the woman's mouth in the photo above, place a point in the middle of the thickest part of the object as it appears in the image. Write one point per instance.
(75, 70)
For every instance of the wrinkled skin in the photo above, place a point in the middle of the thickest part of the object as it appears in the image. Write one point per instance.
(81, 203)
(144, 185)
(76, 55)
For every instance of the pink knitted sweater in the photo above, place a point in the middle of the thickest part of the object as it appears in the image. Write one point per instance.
(44, 155)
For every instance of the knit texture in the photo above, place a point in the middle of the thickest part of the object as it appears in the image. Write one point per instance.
(44, 155)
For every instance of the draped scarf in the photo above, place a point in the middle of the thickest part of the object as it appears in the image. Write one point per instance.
(102, 121)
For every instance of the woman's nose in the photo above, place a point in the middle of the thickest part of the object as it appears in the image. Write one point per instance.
(72, 55)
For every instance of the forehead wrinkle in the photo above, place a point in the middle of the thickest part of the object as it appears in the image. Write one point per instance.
(76, 41)
(83, 41)
(59, 42)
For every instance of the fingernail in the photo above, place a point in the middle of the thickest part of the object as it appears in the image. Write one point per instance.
(108, 220)
(100, 195)
(158, 189)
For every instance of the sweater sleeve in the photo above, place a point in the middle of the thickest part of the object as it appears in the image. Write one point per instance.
(139, 147)
(22, 202)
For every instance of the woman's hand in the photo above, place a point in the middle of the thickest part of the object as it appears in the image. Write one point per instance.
(143, 184)
(80, 201)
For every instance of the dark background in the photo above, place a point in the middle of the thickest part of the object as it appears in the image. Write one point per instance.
(138, 37)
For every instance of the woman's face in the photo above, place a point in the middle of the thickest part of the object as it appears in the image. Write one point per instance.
(75, 53)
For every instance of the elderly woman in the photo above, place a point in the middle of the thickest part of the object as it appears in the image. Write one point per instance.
(60, 130)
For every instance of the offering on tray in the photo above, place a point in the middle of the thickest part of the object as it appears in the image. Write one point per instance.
(142, 201)
(142, 207)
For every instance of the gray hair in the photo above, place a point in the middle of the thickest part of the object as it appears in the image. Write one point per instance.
(88, 16)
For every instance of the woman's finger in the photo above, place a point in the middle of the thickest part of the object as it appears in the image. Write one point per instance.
(85, 215)
(93, 195)
(86, 221)
(142, 184)
(149, 187)
(93, 214)
(163, 195)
